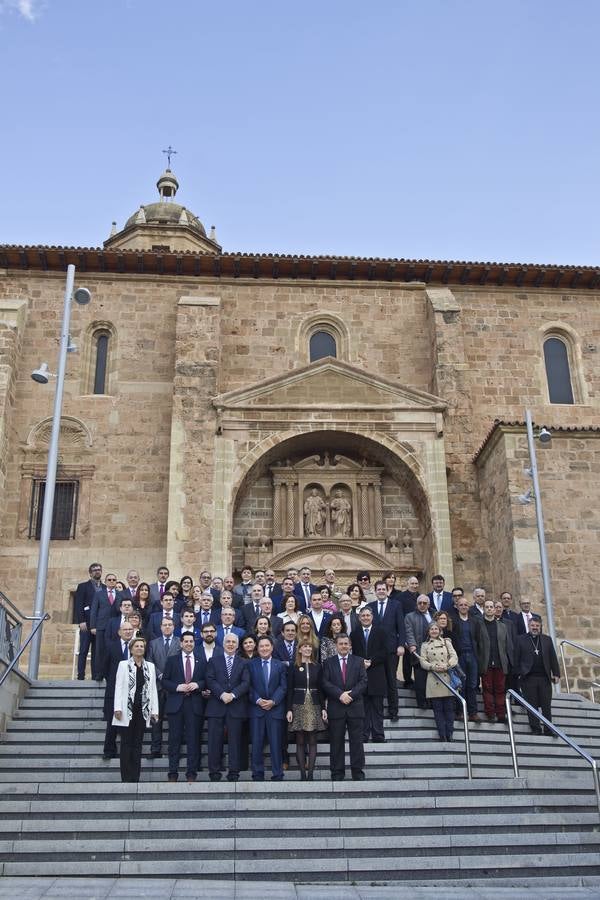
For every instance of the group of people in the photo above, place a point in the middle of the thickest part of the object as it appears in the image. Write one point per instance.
(259, 660)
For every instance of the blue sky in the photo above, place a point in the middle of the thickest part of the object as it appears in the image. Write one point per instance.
(441, 129)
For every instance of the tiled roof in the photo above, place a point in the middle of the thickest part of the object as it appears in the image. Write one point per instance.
(286, 266)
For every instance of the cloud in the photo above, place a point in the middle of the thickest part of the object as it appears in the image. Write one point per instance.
(28, 9)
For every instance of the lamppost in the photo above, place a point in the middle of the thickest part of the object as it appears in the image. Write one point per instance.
(42, 375)
(544, 437)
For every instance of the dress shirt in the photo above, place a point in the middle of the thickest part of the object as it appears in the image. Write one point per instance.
(306, 592)
(318, 618)
(208, 650)
(438, 597)
(527, 620)
(381, 608)
(124, 649)
(184, 658)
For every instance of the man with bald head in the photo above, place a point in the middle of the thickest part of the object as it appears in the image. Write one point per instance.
(228, 681)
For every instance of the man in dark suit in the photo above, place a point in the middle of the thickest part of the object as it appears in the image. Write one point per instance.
(388, 614)
(524, 617)
(119, 616)
(408, 601)
(368, 642)
(104, 605)
(268, 694)
(508, 613)
(320, 618)
(228, 680)
(265, 608)
(304, 589)
(286, 644)
(273, 590)
(157, 588)
(183, 680)
(439, 599)
(167, 612)
(251, 610)
(537, 664)
(188, 624)
(348, 612)
(117, 649)
(159, 650)
(82, 607)
(345, 684)
(208, 612)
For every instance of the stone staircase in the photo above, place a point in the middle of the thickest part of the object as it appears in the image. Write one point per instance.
(417, 818)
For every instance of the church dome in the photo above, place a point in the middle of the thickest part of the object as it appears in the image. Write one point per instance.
(164, 225)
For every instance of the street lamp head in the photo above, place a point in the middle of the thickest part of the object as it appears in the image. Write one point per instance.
(82, 296)
(41, 375)
(544, 436)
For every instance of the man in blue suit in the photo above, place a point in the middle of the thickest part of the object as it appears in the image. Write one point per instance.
(167, 612)
(228, 680)
(439, 599)
(227, 626)
(183, 680)
(304, 589)
(268, 693)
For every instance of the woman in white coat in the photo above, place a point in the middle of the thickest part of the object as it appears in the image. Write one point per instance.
(136, 705)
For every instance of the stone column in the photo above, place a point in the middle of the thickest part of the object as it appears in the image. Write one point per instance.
(291, 485)
(13, 314)
(363, 487)
(378, 510)
(199, 520)
(276, 509)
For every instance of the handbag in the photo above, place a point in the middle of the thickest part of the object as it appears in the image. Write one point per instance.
(455, 673)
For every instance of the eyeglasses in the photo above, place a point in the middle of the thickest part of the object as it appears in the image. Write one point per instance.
(363, 578)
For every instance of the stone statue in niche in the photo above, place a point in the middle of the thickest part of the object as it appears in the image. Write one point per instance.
(315, 512)
(341, 515)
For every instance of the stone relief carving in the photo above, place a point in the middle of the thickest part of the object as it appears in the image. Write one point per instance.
(315, 514)
(341, 515)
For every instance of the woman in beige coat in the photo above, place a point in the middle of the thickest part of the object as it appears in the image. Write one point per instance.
(438, 655)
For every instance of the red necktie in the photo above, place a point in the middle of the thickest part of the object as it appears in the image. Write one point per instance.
(344, 668)
(111, 596)
(188, 670)
(161, 590)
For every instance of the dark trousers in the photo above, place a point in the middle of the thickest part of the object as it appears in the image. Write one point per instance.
(391, 665)
(110, 738)
(407, 668)
(337, 751)
(184, 725)
(100, 654)
(157, 727)
(86, 640)
(373, 721)
(494, 693)
(216, 739)
(261, 727)
(443, 711)
(537, 690)
(468, 663)
(420, 676)
(132, 739)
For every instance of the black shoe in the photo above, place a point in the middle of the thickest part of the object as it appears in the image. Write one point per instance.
(302, 774)
(155, 754)
(309, 776)
(233, 776)
(395, 718)
(337, 776)
(536, 730)
(214, 776)
(380, 740)
(408, 684)
(549, 733)
(172, 778)
(258, 778)
(276, 777)
(358, 775)
(108, 756)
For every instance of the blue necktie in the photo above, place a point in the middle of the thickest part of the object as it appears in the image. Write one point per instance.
(265, 669)
(229, 664)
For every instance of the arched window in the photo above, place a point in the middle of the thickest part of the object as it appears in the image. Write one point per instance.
(558, 370)
(100, 343)
(322, 344)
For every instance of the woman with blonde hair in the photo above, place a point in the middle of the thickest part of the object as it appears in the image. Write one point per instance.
(437, 654)
(306, 713)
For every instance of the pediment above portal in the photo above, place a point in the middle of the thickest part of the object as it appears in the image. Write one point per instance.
(329, 385)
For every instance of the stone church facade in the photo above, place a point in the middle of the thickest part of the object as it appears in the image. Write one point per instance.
(228, 409)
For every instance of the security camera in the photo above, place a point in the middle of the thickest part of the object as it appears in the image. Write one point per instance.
(544, 436)
(82, 296)
(525, 499)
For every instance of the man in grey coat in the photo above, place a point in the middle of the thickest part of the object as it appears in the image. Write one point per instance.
(416, 624)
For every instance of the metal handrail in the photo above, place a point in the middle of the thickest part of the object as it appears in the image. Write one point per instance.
(40, 621)
(465, 720)
(592, 685)
(578, 647)
(552, 727)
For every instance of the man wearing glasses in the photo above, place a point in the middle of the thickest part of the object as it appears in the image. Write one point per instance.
(84, 595)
